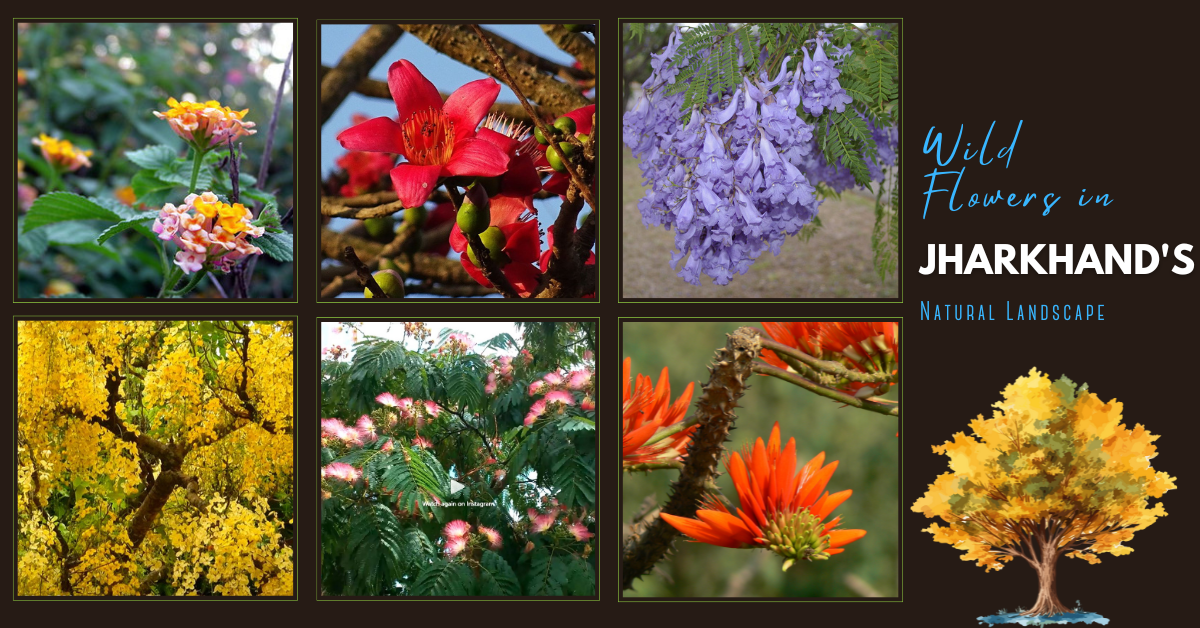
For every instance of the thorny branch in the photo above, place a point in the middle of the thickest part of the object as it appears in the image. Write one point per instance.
(715, 417)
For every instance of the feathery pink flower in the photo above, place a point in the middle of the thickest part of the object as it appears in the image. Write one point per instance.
(490, 388)
(366, 428)
(388, 399)
(542, 522)
(587, 404)
(579, 379)
(552, 378)
(560, 396)
(456, 528)
(388, 446)
(432, 409)
(493, 537)
(455, 546)
(341, 471)
(420, 441)
(579, 531)
(536, 387)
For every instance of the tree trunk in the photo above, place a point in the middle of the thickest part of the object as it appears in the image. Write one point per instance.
(1047, 600)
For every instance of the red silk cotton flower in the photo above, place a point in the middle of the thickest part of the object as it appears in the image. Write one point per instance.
(560, 181)
(521, 245)
(437, 139)
(777, 510)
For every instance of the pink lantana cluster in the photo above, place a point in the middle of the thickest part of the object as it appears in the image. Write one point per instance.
(409, 410)
(458, 537)
(208, 232)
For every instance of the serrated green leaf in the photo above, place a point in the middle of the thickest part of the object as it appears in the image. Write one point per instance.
(152, 157)
(145, 184)
(63, 206)
(142, 225)
(278, 245)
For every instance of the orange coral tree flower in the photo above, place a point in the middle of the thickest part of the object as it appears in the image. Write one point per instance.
(779, 511)
(869, 347)
(648, 411)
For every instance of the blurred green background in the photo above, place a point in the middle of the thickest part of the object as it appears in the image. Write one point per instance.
(864, 442)
(97, 84)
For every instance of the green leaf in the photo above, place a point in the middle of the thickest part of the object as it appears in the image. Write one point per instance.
(152, 157)
(61, 206)
(179, 171)
(374, 549)
(278, 245)
(268, 218)
(581, 579)
(142, 225)
(443, 578)
(496, 577)
(34, 242)
(546, 576)
(144, 184)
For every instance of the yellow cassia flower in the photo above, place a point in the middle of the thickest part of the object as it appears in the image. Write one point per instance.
(206, 124)
(62, 154)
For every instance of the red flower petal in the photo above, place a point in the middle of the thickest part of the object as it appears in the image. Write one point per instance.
(380, 135)
(499, 140)
(522, 178)
(477, 158)
(524, 277)
(505, 210)
(414, 183)
(522, 242)
(583, 119)
(458, 240)
(411, 90)
(470, 103)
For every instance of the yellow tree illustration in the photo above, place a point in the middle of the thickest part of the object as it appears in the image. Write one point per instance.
(1053, 473)
(154, 458)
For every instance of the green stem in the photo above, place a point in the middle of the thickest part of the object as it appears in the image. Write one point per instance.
(196, 163)
(191, 284)
(836, 395)
(56, 182)
(170, 278)
(834, 368)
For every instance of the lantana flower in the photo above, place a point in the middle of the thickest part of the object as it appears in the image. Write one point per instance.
(436, 138)
(648, 411)
(209, 232)
(62, 155)
(207, 124)
(777, 510)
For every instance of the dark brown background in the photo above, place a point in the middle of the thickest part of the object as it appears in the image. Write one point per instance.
(1105, 106)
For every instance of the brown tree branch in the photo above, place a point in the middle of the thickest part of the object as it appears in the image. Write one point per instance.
(574, 44)
(354, 65)
(456, 41)
(714, 412)
(490, 269)
(503, 74)
(364, 274)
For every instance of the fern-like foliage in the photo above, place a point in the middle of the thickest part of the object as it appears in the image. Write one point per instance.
(388, 467)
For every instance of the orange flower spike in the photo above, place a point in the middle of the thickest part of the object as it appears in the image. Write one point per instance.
(648, 413)
(804, 336)
(780, 509)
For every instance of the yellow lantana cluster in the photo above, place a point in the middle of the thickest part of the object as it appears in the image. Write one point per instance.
(206, 124)
(62, 154)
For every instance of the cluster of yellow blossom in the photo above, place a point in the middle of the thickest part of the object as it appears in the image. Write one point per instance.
(206, 124)
(62, 154)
